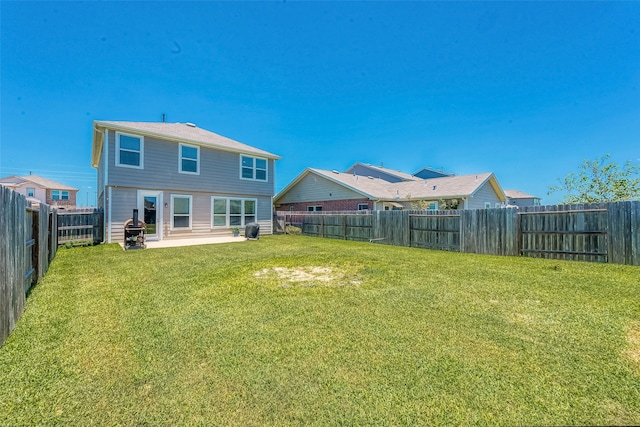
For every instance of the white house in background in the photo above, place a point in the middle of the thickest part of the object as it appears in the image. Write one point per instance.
(317, 189)
(521, 199)
(185, 181)
(38, 189)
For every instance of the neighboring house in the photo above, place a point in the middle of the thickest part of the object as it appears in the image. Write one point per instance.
(185, 181)
(386, 174)
(317, 189)
(42, 190)
(428, 173)
(521, 199)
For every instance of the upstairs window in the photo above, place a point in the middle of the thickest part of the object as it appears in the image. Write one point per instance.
(31, 192)
(59, 195)
(189, 159)
(254, 168)
(129, 150)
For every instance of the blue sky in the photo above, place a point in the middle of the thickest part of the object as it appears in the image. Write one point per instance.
(526, 90)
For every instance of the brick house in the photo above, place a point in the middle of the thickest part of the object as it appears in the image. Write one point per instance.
(383, 189)
(38, 189)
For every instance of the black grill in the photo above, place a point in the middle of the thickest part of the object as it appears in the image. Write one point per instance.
(134, 232)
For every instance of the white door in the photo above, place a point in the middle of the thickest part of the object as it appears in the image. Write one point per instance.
(150, 211)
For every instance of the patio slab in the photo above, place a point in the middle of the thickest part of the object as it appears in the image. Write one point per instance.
(193, 242)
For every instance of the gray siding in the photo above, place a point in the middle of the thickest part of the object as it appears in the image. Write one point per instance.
(484, 194)
(219, 171)
(219, 175)
(316, 188)
(122, 203)
(124, 200)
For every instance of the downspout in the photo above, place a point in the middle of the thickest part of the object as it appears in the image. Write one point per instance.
(107, 196)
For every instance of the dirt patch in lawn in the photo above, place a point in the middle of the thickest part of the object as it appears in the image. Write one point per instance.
(633, 344)
(308, 276)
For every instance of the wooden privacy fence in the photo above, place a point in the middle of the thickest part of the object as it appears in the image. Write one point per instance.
(27, 246)
(80, 226)
(605, 232)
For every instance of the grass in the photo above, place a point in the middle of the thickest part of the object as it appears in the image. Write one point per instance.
(291, 330)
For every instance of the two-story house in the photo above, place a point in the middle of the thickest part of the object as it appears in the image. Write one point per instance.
(186, 182)
(38, 189)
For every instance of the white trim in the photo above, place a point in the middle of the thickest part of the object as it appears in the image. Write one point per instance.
(173, 197)
(104, 213)
(254, 168)
(159, 210)
(105, 149)
(117, 151)
(197, 160)
(110, 201)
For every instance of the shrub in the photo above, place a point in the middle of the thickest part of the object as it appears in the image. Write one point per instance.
(292, 229)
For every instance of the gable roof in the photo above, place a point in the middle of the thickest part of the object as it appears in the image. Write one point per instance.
(418, 189)
(395, 173)
(517, 194)
(450, 187)
(179, 132)
(14, 181)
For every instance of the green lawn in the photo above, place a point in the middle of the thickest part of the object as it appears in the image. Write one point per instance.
(292, 330)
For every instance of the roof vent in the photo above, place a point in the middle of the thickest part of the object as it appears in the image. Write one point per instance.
(435, 187)
(193, 125)
(370, 177)
(335, 171)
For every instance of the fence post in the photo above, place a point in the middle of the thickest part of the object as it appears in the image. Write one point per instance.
(35, 248)
(344, 226)
(511, 232)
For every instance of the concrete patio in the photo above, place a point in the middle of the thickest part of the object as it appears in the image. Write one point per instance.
(193, 242)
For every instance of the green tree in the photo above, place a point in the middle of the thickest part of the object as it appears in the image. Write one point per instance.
(451, 204)
(600, 180)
